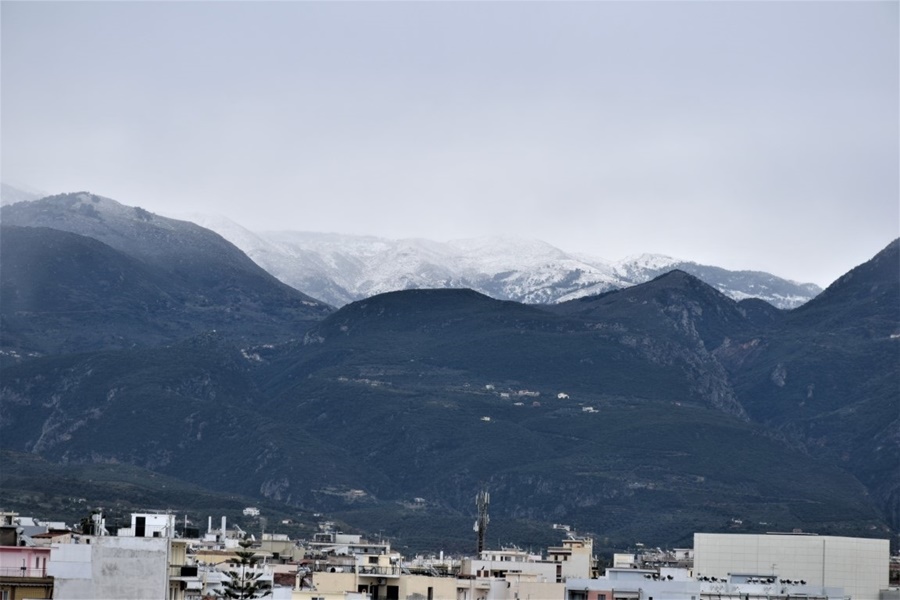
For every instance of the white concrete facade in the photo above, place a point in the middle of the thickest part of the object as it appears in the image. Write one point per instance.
(858, 565)
(110, 568)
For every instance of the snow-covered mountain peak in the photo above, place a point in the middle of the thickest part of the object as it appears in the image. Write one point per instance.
(341, 268)
(495, 255)
(647, 261)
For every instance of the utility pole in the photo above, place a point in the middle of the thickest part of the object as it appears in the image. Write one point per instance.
(481, 501)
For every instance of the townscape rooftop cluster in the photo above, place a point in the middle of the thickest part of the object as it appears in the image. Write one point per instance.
(152, 559)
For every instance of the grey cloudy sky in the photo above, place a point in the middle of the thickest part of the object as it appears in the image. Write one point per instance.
(751, 135)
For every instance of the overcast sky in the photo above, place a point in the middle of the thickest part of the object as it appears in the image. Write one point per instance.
(748, 135)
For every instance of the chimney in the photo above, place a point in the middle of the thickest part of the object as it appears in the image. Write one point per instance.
(223, 525)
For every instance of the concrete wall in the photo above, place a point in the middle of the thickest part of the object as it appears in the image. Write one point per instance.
(110, 568)
(442, 588)
(578, 565)
(334, 582)
(858, 565)
(309, 595)
(634, 587)
(537, 590)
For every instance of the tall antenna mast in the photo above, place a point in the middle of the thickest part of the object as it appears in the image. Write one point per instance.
(481, 501)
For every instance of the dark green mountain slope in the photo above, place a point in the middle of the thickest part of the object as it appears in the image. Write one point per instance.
(214, 267)
(183, 250)
(865, 302)
(673, 316)
(450, 337)
(674, 416)
(44, 271)
(761, 314)
(88, 273)
(827, 377)
(674, 303)
(63, 292)
(190, 410)
(636, 468)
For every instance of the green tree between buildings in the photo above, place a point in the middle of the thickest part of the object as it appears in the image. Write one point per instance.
(243, 579)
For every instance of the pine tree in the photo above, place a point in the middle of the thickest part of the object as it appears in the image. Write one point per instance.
(243, 579)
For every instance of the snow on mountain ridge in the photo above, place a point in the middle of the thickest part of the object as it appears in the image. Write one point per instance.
(638, 265)
(340, 268)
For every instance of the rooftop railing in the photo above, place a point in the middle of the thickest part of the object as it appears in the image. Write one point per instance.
(391, 571)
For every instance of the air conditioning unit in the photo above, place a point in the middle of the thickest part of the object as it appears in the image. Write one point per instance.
(381, 581)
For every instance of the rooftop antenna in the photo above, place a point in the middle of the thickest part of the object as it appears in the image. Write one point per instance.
(481, 501)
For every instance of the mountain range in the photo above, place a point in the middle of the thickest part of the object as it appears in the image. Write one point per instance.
(644, 413)
(340, 269)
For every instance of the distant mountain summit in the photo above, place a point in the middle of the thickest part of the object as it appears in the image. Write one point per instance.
(343, 268)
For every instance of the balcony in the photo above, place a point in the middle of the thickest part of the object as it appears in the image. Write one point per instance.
(22, 572)
(182, 571)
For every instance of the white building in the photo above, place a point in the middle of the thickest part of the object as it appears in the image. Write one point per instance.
(858, 565)
(141, 561)
(149, 525)
(497, 564)
(107, 567)
(675, 584)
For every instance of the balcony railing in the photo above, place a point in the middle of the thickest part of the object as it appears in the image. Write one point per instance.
(371, 570)
(22, 572)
